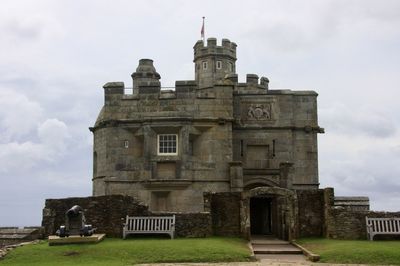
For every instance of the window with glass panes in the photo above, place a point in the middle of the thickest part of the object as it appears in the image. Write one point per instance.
(167, 144)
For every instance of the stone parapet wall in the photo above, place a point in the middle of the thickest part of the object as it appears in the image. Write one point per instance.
(345, 216)
(107, 214)
(354, 203)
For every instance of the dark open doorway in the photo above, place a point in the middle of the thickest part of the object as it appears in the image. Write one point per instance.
(261, 216)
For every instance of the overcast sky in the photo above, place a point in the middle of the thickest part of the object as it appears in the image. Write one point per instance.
(55, 56)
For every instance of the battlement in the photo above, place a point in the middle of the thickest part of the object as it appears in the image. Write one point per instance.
(253, 84)
(226, 49)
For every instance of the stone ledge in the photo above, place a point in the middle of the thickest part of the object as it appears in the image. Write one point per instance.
(56, 240)
(311, 256)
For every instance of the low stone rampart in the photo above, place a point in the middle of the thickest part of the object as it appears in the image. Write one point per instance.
(345, 216)
(107, 214)
(316, 212)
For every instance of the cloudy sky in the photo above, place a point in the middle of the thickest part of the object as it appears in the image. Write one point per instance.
(56, 55)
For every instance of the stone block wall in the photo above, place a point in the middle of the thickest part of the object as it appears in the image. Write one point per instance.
(315, 210)
(310, 212)
(193, 224)
(103, 212)
(107, 214)
(225, 212)
(345, 223)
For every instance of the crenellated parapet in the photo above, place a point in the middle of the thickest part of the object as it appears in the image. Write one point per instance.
(213, 62)
(227, 49)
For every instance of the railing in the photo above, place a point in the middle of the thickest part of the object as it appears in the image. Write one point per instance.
(149, 225)
(382, 226)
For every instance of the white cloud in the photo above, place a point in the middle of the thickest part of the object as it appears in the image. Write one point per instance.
(23, 156)
(27, 138)
(357, 120)
(19, 115)
(362, 165)
(53, 132)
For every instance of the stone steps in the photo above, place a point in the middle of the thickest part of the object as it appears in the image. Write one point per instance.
(269, 242)
(276, 249)
(270, 248)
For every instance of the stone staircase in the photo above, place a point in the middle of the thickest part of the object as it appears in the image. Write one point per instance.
(269, 247)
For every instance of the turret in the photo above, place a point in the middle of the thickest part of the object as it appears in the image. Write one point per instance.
(213, 62)
(145, 75)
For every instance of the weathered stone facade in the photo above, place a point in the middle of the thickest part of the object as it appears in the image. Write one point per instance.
(211, 134)
(227, 158)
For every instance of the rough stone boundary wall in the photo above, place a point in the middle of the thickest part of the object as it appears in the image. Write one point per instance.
(106, 213)
(347, 222)
(191, 224)
(317, 215)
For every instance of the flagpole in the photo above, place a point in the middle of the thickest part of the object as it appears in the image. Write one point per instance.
(202, 31)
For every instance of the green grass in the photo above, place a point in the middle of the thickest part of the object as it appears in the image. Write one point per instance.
(131, 251)
(354, 251)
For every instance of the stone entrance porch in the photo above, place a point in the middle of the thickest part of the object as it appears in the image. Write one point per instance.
(269, 211)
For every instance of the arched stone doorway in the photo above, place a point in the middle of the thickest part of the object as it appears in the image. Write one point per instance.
(270, 210)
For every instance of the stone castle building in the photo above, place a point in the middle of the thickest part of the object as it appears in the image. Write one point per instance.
(226, 158)
(168, 148)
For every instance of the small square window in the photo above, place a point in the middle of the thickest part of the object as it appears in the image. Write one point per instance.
(219, 64)
(167, 144)
(204, 65)
(126, 144)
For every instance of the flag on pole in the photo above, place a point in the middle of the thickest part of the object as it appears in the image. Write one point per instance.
(202, 30)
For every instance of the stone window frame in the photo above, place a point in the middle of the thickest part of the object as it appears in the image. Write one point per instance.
(219, 64)
(170, 144)
(230, 67)
(205, 65)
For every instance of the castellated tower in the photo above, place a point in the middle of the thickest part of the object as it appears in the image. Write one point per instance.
(212, 62)
(171, 148)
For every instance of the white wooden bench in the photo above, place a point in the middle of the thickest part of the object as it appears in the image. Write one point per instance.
(149, 225)
(382, 226)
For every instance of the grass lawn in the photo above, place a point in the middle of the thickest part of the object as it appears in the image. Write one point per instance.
(354, 251)
(112, 251)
